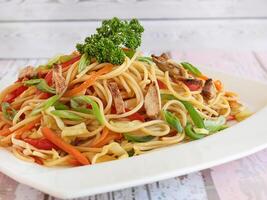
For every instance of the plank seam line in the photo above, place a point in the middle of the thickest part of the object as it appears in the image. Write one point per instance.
(141, 18)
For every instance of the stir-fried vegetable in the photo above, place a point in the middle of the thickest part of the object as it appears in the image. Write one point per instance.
(96, 111)
(40, 85)
(65, 114)
(108, 43)
(216, 125)
(60, 106)
(9, 115)
(49, 102)
(84, 61)
(191, 68)
(41, 143)
(148, 60)
(138, 139)
(172, 120)
(191, 133)
(9, 98)
(52, 137)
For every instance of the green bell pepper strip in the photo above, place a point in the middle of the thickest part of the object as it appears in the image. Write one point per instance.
(84, 62)
(138, 139)
(172, 120)
(196, 118)
(65, 114)
(95, 107)
(191, 133)
(6, 114)
(191, 68)
(49, 102)
(40, 85)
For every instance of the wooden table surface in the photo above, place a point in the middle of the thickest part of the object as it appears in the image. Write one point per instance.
(229, 36)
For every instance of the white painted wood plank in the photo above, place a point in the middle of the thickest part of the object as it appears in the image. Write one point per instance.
(149, 9)
(31, 40)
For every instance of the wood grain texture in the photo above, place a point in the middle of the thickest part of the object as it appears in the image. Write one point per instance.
(33, 10)
(33, 40)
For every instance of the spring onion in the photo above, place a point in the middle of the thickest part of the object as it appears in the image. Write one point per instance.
(40, 85)
(216, 125)
(95, 107)
(8, 115)
(191, 68)
(65, 114)
(172, 120)
(43, 106)
(138, 139)
(83, 63)
(148, 60)
(60, 106)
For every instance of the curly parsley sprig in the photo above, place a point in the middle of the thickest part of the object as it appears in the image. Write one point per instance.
(108, 43)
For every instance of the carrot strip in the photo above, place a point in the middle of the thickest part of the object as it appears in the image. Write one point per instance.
(25, 128)
(5, 132)
(102, 137)
(218, 85)
(90, 81)
(107, 139)
(50, 135)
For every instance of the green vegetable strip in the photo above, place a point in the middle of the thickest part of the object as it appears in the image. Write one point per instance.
(49, 102)
(60, 106)
(191, 68)
(129, 52)
(216, 125)
(138, 139)
(77, 107)
(40, 85)
(65, 114)
(9, 116)
(83, 63)
(96, 110)
(173, 121)
(148, 60)
(196, 118)
(190, 132)
(198, 121)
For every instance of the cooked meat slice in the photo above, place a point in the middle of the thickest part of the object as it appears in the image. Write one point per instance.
(152, 106)
(59, 80)
(209, 90)
(117, 98)
(28, 72)
(162, 61)
(193, 84)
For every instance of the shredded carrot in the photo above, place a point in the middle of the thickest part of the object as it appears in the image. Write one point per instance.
(218, 85)
(90, 81)
(25, 128)
(50, 135)
(5, 132)
(72, 161)
(105, 138)
(203, 77)
(101, 138)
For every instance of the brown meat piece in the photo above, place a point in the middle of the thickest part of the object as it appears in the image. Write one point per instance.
(59, 80)
(152, 106)
(117, 98)
(175, 71)
(193, 84)
(209, 90)
(28, 72)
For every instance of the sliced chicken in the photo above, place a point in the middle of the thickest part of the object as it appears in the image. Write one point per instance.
(193, 84)
(163, 63)
(117, 98)
(59, 80)
(28, 72)
(209, 90)
(152, 105)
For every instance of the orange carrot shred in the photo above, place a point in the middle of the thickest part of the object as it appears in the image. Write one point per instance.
(93, 77)
(105, 138)
(218, 85)
(50, 135)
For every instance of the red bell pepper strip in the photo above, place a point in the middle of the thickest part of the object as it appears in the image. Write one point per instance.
(230, 118)
(192, 86)
(136, 116)
(45, 95)
(49, 78)
(70, 62)
(43, 143)
(15, 93)
(161, 85)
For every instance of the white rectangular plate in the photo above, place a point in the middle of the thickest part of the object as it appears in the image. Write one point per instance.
(240, 140)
